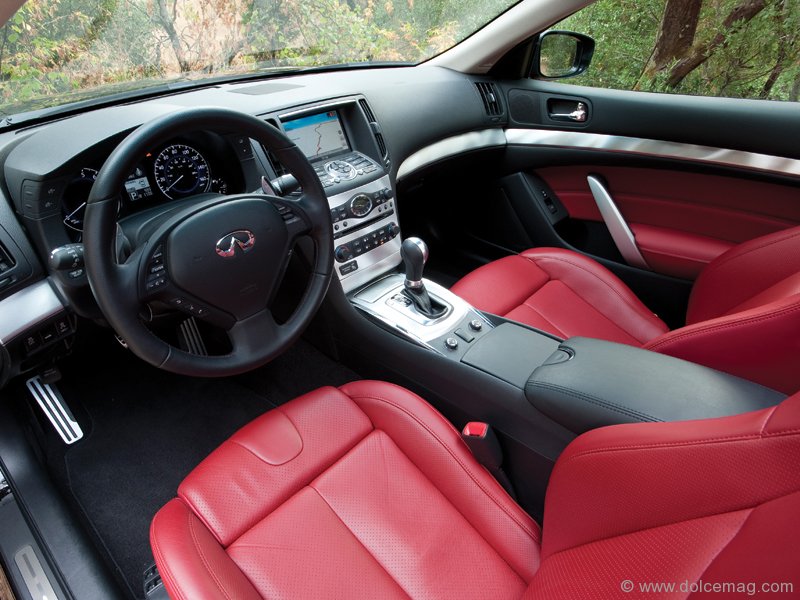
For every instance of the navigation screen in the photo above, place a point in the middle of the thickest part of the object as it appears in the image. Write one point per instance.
(317, 135)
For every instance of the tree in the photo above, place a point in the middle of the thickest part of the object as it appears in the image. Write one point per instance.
(675, 35)
(741, 13)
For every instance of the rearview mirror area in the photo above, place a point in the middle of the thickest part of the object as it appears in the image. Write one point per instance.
(561, 54)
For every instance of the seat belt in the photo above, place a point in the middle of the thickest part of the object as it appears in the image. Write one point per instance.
(482, 441)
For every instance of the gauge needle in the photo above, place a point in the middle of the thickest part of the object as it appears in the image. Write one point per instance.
(174, 183)
(69, 216)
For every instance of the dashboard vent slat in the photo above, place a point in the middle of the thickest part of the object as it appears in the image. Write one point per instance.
(491, 100)
(376, 132)
(6, 262)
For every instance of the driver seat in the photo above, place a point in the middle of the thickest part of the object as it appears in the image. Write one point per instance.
(366, 491)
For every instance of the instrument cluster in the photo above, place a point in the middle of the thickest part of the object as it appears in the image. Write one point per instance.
(177, 170)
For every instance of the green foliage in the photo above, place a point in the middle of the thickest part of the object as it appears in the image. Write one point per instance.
(739, 66)
(77, 48)
(57, 47)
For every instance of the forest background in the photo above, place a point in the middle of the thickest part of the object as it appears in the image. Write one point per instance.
(733, 48)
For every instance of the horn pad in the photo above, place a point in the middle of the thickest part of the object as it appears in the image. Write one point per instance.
(229, 255)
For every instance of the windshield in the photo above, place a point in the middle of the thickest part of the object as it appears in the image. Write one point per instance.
(57, 51)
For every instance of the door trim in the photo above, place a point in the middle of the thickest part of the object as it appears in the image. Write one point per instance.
(653, 148)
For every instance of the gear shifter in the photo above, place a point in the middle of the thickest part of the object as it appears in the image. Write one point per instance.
(415, 254)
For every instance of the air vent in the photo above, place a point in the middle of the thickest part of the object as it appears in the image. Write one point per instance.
(367, 110)
(491, 100)
(376, 132)
(6, 262)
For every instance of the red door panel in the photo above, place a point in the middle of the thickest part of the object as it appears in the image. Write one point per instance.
(681, 220)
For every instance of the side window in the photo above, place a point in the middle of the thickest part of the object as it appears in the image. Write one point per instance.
(728, 48)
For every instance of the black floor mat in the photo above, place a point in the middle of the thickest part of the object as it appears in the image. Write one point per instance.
(149, 428)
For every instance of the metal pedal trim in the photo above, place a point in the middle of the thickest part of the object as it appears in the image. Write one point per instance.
(55, 409)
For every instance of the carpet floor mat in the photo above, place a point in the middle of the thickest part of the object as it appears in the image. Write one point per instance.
(148, 428)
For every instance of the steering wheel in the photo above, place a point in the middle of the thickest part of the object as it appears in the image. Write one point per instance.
(219, 259)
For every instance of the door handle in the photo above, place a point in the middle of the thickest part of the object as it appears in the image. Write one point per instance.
(578, 115)
(620, 232)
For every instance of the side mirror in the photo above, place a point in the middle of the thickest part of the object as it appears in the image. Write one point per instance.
(561, 54)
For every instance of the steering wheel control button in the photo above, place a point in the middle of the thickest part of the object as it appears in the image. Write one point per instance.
(476, 325)
(464, 335)
(451, 343)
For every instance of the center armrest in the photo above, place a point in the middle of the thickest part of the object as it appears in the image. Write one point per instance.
(589, 383)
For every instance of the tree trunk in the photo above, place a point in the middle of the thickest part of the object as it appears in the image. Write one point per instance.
(675, 35)
(777, 70)
(794, 94)
(168, 24)
(741, 13)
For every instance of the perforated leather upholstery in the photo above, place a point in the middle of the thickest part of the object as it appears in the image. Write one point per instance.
(385, 501)
(743, 316)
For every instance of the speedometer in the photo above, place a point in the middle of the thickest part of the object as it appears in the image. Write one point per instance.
(181, 170)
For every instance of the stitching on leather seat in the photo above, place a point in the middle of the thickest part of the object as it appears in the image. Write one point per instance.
(522, 526)
(166, 572)
(597, 277)
(360, 543)
(701, 329)
(687, 443)
(623, 410)
(204, 560)
(735, 255)
(748, 509)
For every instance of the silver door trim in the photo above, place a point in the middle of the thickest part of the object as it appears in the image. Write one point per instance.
(655, 148)
(617, 227)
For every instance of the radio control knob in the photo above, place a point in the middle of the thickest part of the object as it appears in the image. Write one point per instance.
(387, 193)
(393, 229)
(343, 253)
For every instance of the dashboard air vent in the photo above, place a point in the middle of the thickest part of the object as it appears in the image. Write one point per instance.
(491, 101)
(6, 262)
(376, 132)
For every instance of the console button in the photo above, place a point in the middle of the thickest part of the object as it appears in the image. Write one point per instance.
(476, 325)
(464, 335)
(451, 343)
(31, 343)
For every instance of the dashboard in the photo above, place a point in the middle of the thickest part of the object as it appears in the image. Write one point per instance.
(359, 129)
(181, 168)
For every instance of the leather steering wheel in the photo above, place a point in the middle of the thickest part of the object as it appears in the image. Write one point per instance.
(219, 259)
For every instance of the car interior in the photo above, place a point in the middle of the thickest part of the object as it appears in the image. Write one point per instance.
(455, 329)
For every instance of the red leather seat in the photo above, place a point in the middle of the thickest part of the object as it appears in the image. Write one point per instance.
(367, 492)
(743, 316)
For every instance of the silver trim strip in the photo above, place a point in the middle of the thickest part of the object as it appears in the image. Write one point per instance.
(617, 227)
(55, 409)
(450, 147)
(26, 308)
(378, 300)
(660, 149)
(33, 575)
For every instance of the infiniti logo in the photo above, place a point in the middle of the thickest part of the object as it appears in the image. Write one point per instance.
(241, 239)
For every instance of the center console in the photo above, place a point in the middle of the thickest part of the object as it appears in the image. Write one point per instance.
(342, 141)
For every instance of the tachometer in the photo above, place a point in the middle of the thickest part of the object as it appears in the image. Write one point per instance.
(181, 170)
(73, 204)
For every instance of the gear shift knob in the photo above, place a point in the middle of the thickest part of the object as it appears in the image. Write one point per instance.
(415, 254)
